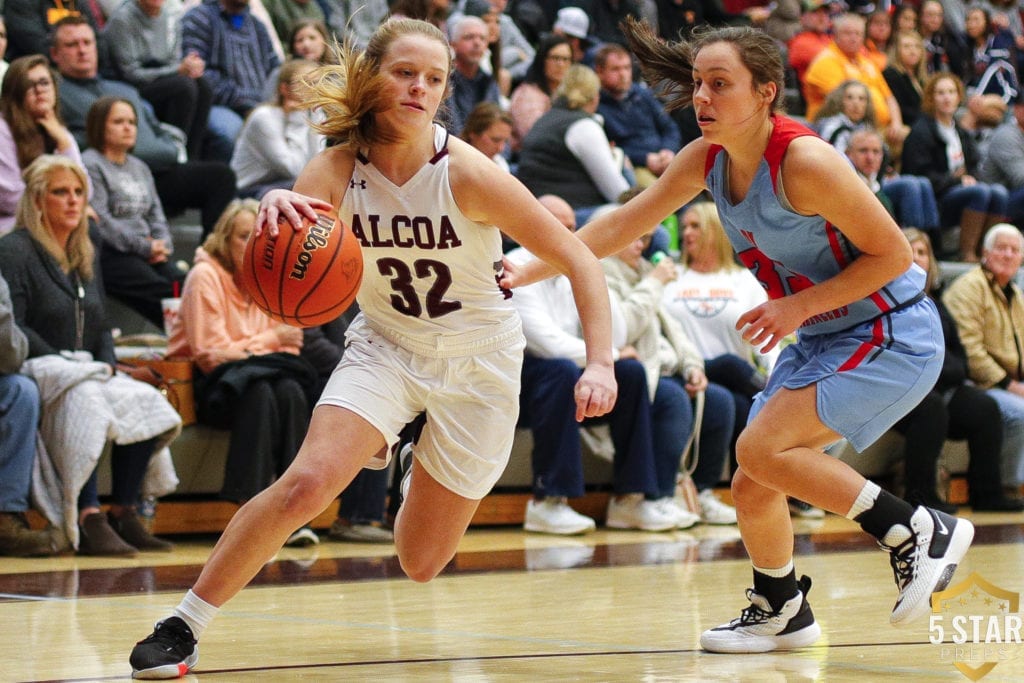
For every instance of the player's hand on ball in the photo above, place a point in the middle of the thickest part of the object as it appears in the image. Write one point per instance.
(595, 391)
(290, 206)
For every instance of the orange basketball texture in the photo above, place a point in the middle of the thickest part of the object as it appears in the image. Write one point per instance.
(304, 277)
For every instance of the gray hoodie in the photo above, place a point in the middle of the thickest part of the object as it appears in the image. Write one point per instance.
(13, 343)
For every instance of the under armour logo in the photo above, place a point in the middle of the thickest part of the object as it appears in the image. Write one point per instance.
(361, 184)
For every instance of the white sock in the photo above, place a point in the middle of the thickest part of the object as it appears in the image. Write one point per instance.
(779, 573)
(865, 499)
(196, 612)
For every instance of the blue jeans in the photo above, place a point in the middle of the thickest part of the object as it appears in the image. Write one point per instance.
(1012, 407)
(547, 407)
(743, 383)
(19, 419)
(987, 198)
(672, 419)
(222, 128)
(913, 200)
(671, 426)
(1015, 207)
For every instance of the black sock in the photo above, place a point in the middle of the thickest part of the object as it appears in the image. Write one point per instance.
(776, 590)
(887, 510)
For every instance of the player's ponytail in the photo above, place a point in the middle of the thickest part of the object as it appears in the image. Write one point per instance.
(668, 67)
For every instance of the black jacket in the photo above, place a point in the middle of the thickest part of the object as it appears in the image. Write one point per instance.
(217, 394)
(907, 96)
(46, 301)
(924, 154)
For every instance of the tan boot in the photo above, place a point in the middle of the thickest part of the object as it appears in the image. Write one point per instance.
(96, 537)
(129, 527)
(18, 540)
(972, 227)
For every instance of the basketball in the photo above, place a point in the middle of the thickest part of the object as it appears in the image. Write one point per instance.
(304, 277)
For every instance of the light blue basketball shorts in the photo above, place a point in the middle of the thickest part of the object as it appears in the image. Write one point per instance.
(868, 376)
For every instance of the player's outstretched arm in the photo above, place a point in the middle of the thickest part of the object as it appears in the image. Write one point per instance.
(614, 231)
(489, 195)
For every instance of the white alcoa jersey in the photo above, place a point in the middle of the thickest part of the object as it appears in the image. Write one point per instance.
(429, 273)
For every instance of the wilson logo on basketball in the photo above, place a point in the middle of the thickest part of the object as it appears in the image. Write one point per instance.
(317, 237)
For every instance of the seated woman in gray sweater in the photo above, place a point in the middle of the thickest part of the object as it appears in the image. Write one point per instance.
(136, 246)
(276, 141)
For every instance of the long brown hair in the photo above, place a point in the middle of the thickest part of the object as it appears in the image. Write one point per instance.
(96, 120)
(669, 66)
(78, 255)
(349, 93)
(328, 57)
(29, 137)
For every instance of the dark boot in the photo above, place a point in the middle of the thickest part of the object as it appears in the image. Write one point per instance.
(96, 537)
(972, 227)
(129, 527)
(18, 540)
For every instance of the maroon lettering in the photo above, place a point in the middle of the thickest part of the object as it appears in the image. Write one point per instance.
(419, 232)
(358, 232)
(448, 238)
(397, 224)
(423, 232)
(377, 241)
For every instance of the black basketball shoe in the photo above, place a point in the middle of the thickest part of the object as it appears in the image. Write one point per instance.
(169, 652)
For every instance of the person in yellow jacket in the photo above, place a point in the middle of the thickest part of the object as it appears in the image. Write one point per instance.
(988, 306)
(844, 59)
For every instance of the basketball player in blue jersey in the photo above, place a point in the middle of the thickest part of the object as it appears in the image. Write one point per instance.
(436, 333)
(838, 272)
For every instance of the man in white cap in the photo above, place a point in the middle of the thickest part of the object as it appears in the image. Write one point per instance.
(606, 16)
(573, 23)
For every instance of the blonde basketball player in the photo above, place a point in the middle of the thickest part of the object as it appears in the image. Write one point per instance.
(436, 333)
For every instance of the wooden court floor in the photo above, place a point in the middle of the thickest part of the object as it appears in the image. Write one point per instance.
(611, 606)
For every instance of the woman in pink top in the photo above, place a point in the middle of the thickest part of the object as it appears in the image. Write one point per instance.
(249, 378)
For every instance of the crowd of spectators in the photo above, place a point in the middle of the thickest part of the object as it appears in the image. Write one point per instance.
(169, 105)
